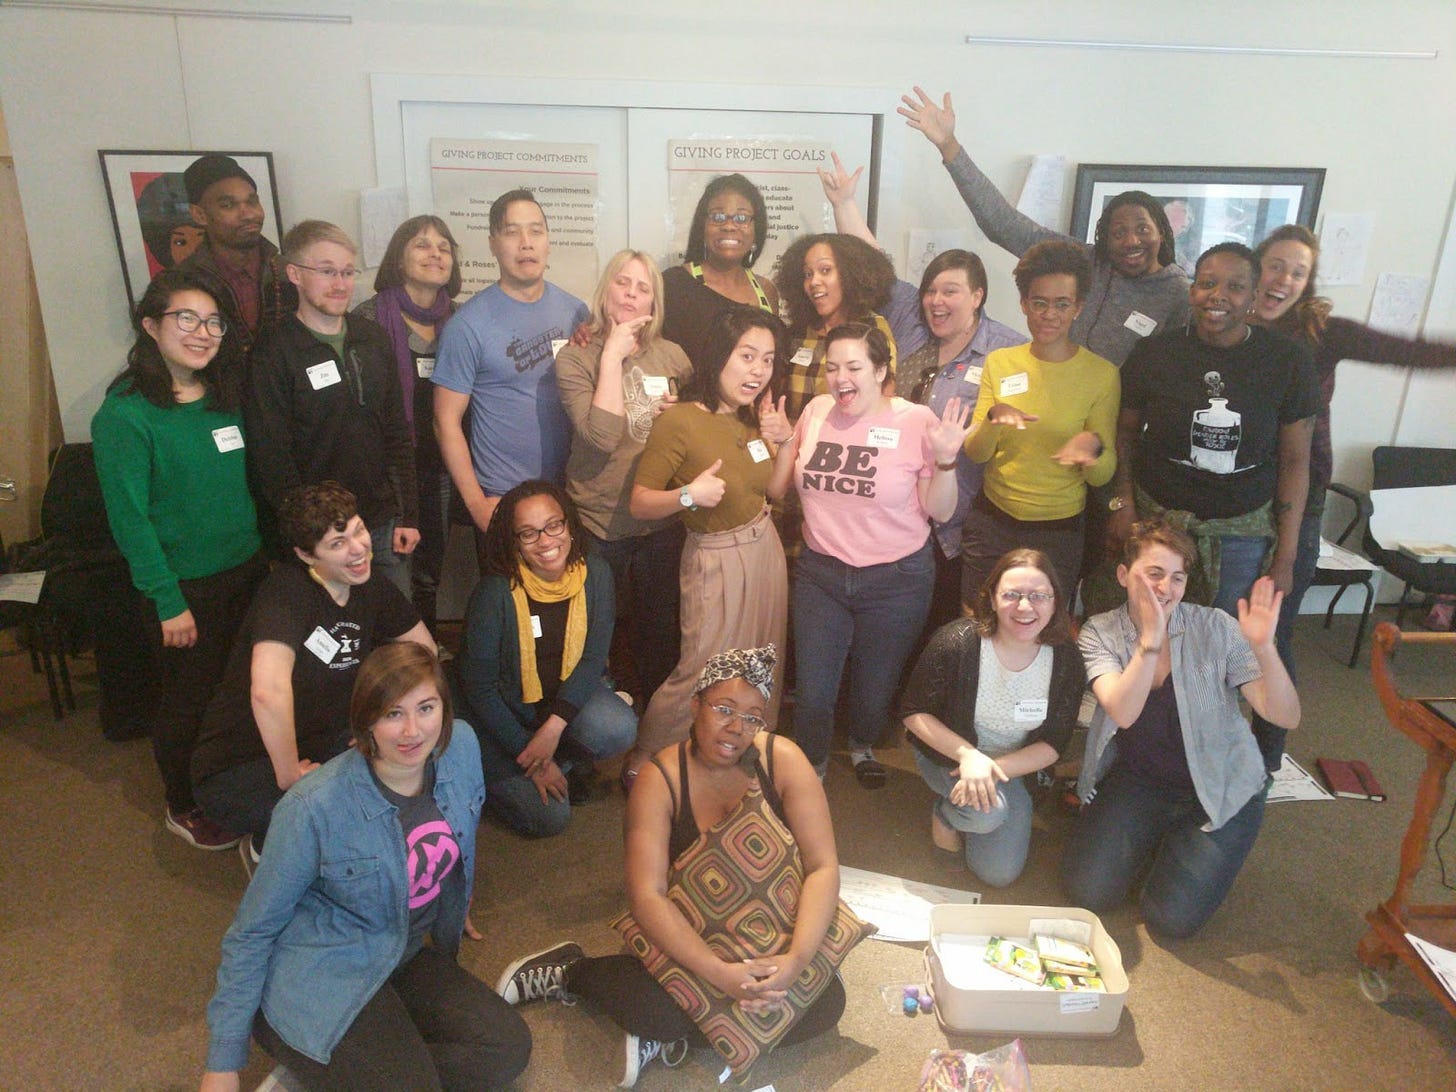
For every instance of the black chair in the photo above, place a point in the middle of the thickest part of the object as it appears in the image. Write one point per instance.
(40, 633)
(1406, 468)
(1330, 574)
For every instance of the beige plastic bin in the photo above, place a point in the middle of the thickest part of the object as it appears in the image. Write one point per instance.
(1016, 1011)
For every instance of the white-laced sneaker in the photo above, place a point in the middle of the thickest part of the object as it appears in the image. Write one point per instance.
(250, 856)
(638, 1052)
(539, 976)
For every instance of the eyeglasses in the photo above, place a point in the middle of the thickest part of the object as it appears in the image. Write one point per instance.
(1039, 306)
(554, 529)
(346, 274)
(187, 321)
(739, 218)
(749, 720)
(1011, 597)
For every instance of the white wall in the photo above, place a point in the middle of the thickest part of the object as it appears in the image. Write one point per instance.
(73, 81)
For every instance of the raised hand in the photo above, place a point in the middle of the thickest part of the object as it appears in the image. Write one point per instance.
(707, 488)
(839, 185)
(1259, 613)
(950, 433)
(1147, 612)
(936, 122)
(1003, 414)
(773, 422)
(1083, 449)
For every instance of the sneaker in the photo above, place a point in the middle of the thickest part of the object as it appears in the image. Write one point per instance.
(198, 830)
(538, 977)
(249, 855)
(638, 1052)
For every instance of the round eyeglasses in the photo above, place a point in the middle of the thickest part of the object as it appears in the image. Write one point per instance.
(188, 321)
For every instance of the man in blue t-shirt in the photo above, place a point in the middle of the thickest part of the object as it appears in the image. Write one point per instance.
(498, 360)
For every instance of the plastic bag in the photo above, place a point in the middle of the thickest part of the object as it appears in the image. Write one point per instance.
(1001, 1070)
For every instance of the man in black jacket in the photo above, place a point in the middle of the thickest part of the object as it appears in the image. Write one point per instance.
(324, 402)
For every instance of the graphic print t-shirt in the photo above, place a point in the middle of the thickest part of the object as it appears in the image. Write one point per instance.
(431, 854)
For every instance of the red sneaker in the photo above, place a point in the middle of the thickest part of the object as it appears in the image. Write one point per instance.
(198, 830)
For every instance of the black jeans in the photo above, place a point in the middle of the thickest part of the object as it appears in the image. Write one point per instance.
(645, 572)
(432, 1026)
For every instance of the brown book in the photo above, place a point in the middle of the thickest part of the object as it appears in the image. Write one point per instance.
(1353, 780)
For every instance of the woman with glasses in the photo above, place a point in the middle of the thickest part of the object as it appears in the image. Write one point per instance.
(870, 471)
(1044, 426)
(169, 448)
(532, 658)
(728, 232)
(993, 699)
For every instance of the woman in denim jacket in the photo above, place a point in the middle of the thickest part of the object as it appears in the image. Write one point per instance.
(342, 958)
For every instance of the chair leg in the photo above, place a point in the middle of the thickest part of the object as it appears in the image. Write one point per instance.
(1334, 602)
(1400, 607)
(41, 642)
(1364, 620)
(65, 672)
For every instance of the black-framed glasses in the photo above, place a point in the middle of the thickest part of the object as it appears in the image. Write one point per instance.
(1012, 597)
(739, 218)
(348, 273)
(554, 529)
(188, 321)
(751, 721)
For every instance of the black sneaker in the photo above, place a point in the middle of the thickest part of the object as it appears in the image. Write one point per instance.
(538, 977)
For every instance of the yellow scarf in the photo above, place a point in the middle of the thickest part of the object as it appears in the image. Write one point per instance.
(572, 585)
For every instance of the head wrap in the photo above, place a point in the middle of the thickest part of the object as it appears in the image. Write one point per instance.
(753, 665)
(206, 170)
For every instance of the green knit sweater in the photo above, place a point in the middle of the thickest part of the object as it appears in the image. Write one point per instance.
(177, 501)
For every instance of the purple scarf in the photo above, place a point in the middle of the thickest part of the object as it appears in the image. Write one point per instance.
(390, 307)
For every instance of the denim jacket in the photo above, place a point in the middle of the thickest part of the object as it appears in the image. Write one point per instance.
(325, 919)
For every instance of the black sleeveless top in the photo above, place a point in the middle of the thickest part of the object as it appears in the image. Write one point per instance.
(685, 826)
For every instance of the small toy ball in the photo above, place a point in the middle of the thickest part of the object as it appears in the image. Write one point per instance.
(911, 1006)
(910, 991)
(926, 1002)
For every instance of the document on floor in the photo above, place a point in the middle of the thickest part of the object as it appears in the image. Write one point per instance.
(899, 907)
(1292, 782)
(21, 587)
(1442, 961)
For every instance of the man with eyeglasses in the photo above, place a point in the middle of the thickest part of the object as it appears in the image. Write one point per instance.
(253, 292)
(324, 403)
(498, 361)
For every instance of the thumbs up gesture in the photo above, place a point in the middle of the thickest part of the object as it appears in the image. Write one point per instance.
(707, 488)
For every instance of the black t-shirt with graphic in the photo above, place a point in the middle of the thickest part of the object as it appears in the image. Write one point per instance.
(329, 642)
(431, 854)
(1211, 417)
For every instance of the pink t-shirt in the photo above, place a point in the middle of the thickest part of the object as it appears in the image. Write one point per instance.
(858, 479)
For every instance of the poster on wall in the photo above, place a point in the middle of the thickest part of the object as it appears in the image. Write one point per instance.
(467, 175)
(150, 212)
(786, 172)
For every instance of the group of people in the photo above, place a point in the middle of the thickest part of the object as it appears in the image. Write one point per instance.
(639, 472)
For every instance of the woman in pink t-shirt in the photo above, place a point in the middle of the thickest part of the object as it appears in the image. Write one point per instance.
(871, 471)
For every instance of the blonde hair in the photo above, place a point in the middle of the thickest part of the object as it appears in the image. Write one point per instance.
(600, 324)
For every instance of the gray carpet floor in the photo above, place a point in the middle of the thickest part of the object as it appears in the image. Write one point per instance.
(109, 926)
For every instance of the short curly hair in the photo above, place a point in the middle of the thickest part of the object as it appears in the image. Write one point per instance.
(309, 512)
(866, 277)
(1052, 258)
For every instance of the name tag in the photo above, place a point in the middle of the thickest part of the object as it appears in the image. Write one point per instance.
(322, 645)
(1140, 324)
(425, 366)
(535, 625)
(803, 358)
(323, 375)
(758, 449)
(655, 386)
(228, 438)
(1030, 711)
(973, 375)
(885, 437)
(557, 344)
(1019, 383)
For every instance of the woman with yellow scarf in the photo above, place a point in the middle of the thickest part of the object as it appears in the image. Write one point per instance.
(532, 660)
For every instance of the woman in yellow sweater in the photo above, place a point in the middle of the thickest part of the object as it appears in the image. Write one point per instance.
(1045, 425)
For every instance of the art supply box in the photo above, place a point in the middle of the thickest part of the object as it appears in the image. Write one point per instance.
(1014, 1010)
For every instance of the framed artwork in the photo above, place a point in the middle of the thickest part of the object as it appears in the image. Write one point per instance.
(1205, 205)
(150, 212)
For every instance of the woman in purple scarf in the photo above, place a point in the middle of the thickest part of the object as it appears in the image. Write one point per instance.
(415, 288)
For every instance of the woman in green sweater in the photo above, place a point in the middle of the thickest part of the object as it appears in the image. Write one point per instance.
(169, 451)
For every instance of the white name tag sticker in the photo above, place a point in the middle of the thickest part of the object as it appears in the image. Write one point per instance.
(1140, 324)
(973, 375)
(1079, 1002)
(323, 375)
(759, 450)
(322, 645)
(557, 344)
(228, 438)
(885, 437)
(1019, 383)
(424, 366)
(1031, 711)
(803, 358)
(655, 386)
(535, 625)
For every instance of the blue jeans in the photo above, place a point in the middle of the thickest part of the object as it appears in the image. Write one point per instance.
(387, 563)
(602, 728)
(1131, 820)
(1241, 560)
(872, 615)
(996, 841)
(1270, 736)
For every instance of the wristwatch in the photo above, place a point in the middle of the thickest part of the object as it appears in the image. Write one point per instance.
(1116, 504)
(685, 498)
